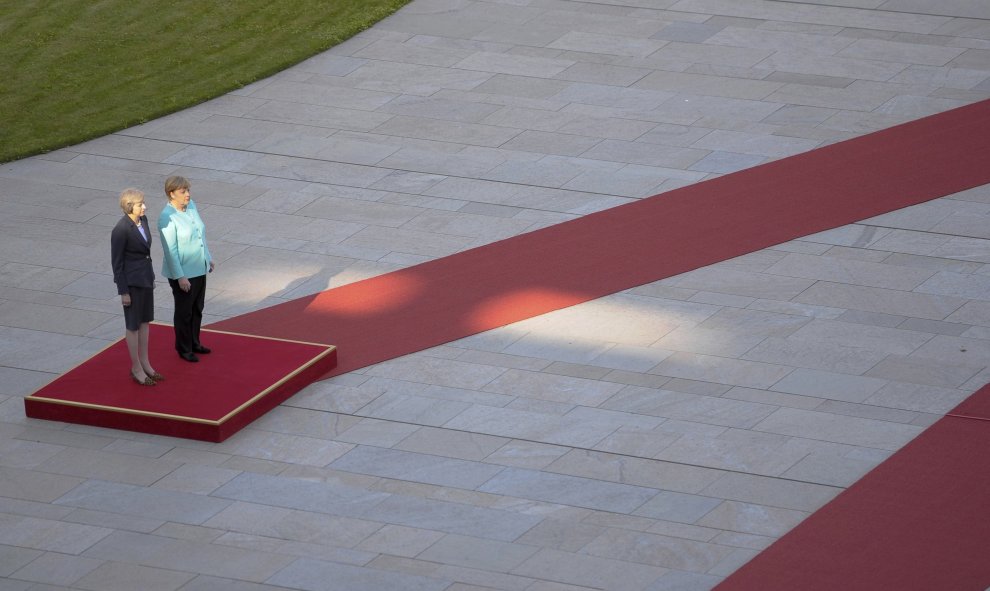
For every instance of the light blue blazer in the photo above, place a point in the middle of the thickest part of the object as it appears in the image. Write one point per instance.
(183, 238)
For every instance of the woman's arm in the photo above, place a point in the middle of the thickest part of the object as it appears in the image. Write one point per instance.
(118, 244)
(169, 236)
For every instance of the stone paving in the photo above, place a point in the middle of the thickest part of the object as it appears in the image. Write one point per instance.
(653, 440)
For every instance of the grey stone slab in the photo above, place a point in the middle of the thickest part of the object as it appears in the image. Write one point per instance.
(56, 319)
(752, 518)
(606, 44)
(466, 133)
(959, 285)
(642, 98)
(526, 454)
(516, 65)
(57, 569)
(544, 142)
(645, 154)
(602, 20)
(300, 494)
(50, 535)
(452, 517)
(687, 32)
(112, 576)
(283, 447)
(289, 524)
(821, 15)
(812, 43)
(918, 397)
(316, 575)
(478, 553)
(640, 472)
(876, 338)
(811, 354)
(397, 540)
(708, 341)
(414, 409)
(441, 372)
(553, 388)
(188, 556)
(113, 467)
(612, 75)
(413, 53)
(755, 144)
(838, 429)
(923, 372)
(29, 485)
(455, 444)
(294, 168)
(175, 506)
(416, 467)
(325, 117)
(769, 458)
(831, 385)
(911, 304)
(685, 581)
(850, 272)
(730, 281)
(709, 85)
(679, 507)
(383, 433)
(13, 558)
(533, 426)
(892, 51)
(656, 550)
(679, 51)
(771, 492)
(568, 490)
(754, 372)
(311, 423)
(583, 570)
(438, 108)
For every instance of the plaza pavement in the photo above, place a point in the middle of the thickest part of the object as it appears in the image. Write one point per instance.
(655, 439)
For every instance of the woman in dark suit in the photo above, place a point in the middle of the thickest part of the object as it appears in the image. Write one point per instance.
(130, 256)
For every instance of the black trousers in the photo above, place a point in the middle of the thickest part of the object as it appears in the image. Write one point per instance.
(188, 313)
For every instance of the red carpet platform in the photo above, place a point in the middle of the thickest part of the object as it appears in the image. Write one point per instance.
(918, 522)
(244, 377)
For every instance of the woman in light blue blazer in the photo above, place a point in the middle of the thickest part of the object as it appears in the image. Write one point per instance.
(186, 262)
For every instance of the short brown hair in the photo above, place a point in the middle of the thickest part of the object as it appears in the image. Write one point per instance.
(128, 197)
(174, 183)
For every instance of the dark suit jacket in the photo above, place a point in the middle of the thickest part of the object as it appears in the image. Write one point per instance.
(130, 255)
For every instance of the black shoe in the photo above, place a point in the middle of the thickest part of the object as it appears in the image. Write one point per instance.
(189, 357)
(201, 349)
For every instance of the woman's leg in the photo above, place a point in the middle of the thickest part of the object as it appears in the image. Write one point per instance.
(182, 318)
(144, 333)
(132, 338)
(197, 293)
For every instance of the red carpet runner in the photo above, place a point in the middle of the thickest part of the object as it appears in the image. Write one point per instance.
(620, 248)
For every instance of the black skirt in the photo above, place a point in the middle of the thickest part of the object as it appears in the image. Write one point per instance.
(142, 308)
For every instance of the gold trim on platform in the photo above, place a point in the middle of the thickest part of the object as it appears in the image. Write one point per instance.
(284, 379)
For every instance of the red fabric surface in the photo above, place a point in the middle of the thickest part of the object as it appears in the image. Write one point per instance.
(918, 522)
(602, 253)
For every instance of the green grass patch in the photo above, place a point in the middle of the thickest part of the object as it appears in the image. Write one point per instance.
(72, 70)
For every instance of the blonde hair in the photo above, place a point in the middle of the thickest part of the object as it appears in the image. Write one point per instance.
(129, 197)
(174, 183)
